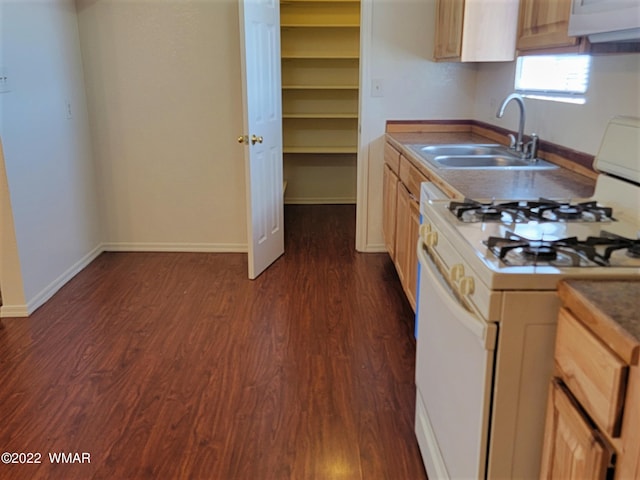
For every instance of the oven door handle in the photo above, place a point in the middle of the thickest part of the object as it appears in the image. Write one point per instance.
(467, 314)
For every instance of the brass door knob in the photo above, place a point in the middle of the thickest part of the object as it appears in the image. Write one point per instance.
(243, 139)
(255, 139)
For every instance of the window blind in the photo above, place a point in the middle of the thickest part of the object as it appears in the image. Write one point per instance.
(560, 77)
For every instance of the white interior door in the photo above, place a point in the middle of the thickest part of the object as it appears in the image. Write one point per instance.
(260, 47)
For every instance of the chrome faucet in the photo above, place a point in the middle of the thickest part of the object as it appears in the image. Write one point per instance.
(516, 144)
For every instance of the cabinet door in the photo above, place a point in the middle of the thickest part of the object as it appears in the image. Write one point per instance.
(412, 257)
(596, 376)
(572, 447)
(389, 203)
(407, 231)
(544, 24)
(403, 217)
(448, 39)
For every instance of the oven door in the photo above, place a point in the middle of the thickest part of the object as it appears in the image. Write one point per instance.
(454, 370)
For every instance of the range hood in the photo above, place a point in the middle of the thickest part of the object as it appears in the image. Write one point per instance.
(605, 20)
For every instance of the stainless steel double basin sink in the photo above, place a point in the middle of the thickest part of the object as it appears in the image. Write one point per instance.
(477, 156)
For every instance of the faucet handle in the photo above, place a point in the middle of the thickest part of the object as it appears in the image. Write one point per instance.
(512, 141)
(531, 149)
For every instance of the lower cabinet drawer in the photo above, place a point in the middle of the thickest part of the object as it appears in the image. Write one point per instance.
(595, 375)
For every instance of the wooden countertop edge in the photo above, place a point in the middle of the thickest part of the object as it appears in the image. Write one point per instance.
(570, 159)
(431, 175)
(610, 332)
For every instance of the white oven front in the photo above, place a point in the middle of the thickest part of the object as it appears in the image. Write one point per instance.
(454, 369)
(483, 363)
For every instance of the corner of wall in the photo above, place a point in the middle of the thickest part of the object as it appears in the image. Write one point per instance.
(11, 284)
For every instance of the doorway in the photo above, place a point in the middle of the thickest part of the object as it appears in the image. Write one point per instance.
(320, 50)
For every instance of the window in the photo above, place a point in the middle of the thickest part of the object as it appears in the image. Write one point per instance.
(563, 78)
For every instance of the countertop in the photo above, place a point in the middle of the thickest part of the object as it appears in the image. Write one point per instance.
(561, 183)
(610, 308)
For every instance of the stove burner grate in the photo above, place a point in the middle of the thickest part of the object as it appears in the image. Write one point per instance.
(613, 242)
(472, 211)
(517, 250)
(586, 211)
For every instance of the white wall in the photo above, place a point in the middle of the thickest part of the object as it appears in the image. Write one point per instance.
(397, 49)
(614, 89)
(163, 82)
(165, 101)
(49, 170)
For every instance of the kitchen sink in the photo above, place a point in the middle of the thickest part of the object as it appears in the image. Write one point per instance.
(490, 161)
(477, 156)
(465, 149)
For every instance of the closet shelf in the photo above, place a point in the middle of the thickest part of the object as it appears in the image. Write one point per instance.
(320, 115)
(320, 150)
(320, 56)
(320, 87)
(315, 25)
(320, 46)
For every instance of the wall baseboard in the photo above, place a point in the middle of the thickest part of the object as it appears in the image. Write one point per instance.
(48, 292)
(176, 247)
(11, 311)
(375, 248)
(7, 311)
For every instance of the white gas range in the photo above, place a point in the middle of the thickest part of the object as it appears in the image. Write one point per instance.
(487, 309)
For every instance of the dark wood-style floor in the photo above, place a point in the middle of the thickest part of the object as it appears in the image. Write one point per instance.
(166, 366)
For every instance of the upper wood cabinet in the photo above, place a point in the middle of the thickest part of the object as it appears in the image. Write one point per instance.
(543, 24)
(475, 30)
(448, 41)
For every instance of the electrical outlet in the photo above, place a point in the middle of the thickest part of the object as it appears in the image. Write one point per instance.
(376, 88)
(4, 80)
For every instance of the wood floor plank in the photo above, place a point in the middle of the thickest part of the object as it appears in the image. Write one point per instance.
(175, 365)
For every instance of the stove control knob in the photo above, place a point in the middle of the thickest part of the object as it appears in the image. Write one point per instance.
(466, 286)
(431, 239)
(456, 273)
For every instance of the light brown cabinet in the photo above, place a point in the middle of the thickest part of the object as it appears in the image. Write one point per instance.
(389, 202)
(543, 25)
(412, 257)
(407, 231)
(448, 39)
(593, 409)
(471, 31)
(401, 217)
(575, 448)
(390, 197)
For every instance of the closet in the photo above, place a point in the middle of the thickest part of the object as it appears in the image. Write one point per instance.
(320, 49)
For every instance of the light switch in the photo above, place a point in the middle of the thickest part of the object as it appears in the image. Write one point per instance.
(376, 88)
